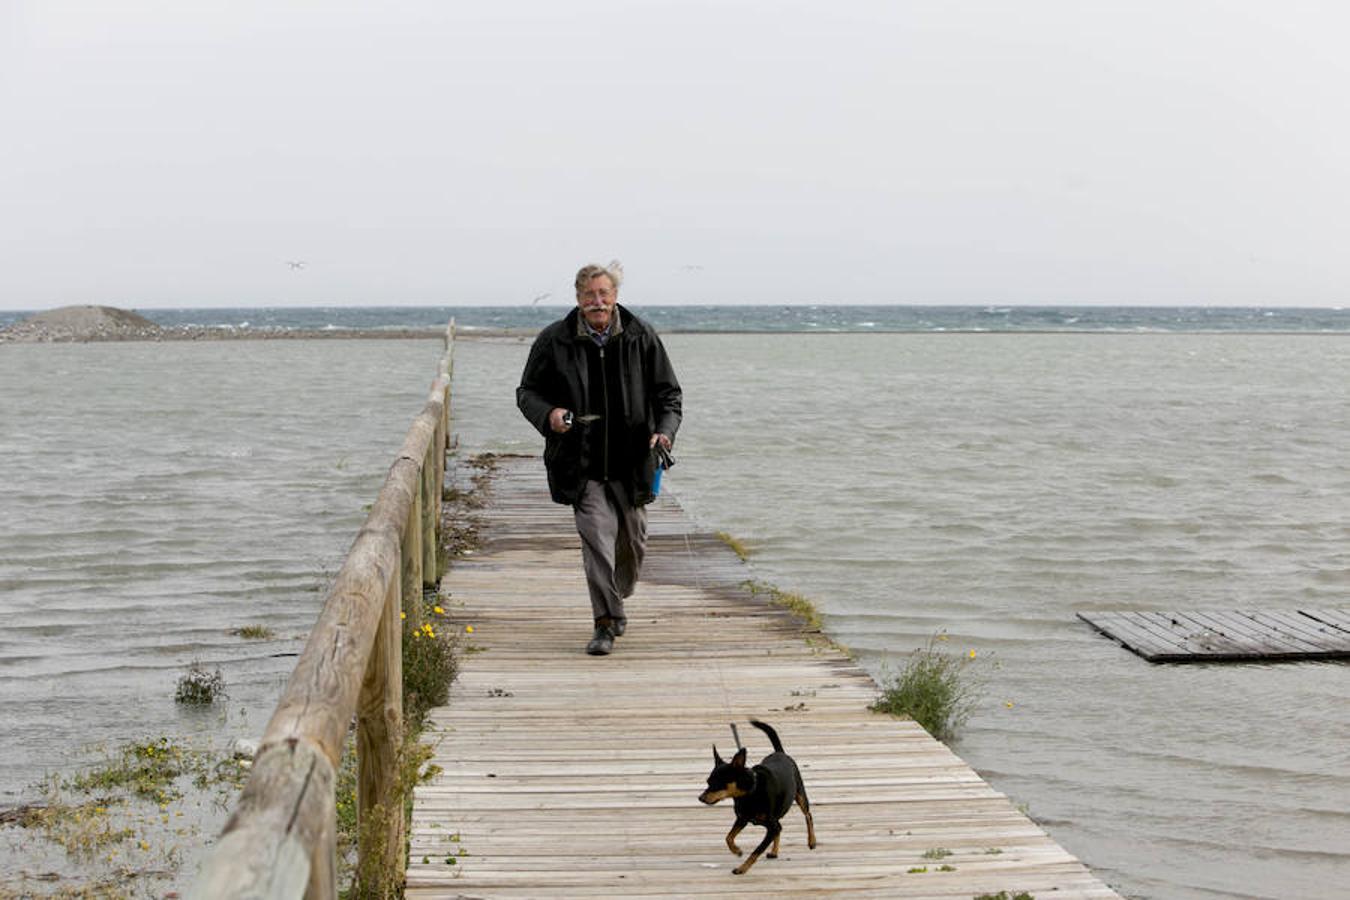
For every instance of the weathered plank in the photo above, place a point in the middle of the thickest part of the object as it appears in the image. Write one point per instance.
(1227, 635)
(1337, 618)
(565, 775)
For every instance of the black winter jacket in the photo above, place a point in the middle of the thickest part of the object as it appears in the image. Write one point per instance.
(557, 375)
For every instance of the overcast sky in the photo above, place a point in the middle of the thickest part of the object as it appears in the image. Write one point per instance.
(179, 152)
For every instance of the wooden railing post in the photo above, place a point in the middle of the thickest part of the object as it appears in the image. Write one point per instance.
(379, 737)
(431, 511)
(411, 561)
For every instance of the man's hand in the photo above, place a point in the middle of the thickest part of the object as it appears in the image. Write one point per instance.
(661, 439)
(555, 420)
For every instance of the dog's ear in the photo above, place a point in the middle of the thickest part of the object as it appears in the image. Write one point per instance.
(717, 757)
(739, 759)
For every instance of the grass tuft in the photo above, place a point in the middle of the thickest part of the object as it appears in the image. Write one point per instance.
(934, 689)
(199, 687)
(145, 769)
(737, 546)
(799, 606)
(254, 633)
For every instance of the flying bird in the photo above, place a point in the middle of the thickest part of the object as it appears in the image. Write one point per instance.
(296, 263)
(543, 296)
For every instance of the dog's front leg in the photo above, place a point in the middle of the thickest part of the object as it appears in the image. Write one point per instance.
(735, 830)
(771, 833)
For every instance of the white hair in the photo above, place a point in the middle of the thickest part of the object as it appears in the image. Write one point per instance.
(613, 271)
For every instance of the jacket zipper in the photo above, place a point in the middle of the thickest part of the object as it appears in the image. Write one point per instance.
(604, 412)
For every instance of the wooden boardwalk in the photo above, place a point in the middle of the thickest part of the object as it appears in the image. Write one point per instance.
(568, 775)
(1229, 636)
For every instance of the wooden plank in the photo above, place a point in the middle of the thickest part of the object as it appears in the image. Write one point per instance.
(565, 775)
(1339, 618)
(1225, 635)
(1134, 636)
(1295, 629)
(1214, 638)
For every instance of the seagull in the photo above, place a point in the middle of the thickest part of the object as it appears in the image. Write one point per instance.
(296, 263)
(543, 296)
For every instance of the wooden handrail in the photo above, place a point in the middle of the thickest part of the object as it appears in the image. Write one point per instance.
(280, 841)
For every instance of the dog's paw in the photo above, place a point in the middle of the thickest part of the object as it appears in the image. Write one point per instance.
(771, 855)
(739, 870)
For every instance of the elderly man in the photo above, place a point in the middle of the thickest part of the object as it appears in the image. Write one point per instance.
(600, 389)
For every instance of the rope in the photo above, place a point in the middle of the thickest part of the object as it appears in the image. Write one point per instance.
(717, 665)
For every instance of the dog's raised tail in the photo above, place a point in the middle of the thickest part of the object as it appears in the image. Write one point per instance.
(773, 735)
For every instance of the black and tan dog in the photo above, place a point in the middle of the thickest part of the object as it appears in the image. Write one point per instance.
(762, 794)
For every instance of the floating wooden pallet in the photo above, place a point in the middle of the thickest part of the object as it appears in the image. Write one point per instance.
(565, 775)
(1229, 635)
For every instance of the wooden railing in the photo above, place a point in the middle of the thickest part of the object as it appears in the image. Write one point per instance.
(280, 840)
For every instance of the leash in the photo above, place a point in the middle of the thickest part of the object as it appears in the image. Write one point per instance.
(717, 666)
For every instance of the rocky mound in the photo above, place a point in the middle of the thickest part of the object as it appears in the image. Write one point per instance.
(82, 323)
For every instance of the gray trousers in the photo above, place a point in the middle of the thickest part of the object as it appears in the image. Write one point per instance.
(613, 543)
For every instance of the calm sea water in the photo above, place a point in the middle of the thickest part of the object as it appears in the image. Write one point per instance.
(156, 496)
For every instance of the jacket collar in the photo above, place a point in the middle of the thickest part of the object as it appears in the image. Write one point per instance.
(622, 318)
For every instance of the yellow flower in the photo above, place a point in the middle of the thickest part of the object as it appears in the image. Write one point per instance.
(402, 615)
(438, 610)
(468, 629)
(972, 654)
(1008, 703)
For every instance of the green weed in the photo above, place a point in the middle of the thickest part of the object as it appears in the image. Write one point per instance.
(146, 769)
(803, 609)
(735, 544)
(429, 665)
(83, 830)
(934, 689)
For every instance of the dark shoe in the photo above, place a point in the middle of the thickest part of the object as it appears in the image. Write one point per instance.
(602, 642)
(619, 627)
